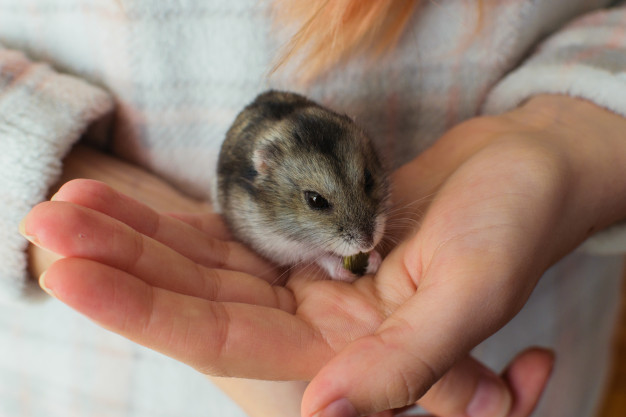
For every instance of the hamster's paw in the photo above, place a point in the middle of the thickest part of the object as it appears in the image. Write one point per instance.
(342, 274)
(373, 263)
(334, 267)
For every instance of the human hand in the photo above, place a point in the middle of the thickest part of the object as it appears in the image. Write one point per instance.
(321, 316)
(91, 290)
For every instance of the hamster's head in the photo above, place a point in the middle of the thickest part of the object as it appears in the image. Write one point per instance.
(321, 184)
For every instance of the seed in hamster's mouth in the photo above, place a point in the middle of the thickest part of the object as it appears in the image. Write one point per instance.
(357, 264)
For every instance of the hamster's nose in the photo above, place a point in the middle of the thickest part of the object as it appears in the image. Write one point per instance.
(366, 238)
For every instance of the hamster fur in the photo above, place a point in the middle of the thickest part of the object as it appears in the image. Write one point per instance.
(300, 183)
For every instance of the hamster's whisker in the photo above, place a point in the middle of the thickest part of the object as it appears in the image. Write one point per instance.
(306, 264)
(395, 208)
(283, 277)
(402, 219)
(310, 262)
(389, 242)
(403, 223)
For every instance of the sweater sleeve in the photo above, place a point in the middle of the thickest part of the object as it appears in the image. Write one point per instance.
(42, 114)
(587, 59)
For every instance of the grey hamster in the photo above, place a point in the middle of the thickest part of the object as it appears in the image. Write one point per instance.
(298, 182)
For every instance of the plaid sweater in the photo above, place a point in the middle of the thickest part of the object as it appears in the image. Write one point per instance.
(174, 75)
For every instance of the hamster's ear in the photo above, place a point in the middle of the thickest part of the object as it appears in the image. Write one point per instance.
(260, 161)
(266, 155)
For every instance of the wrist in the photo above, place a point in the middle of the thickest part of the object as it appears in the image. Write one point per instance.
(580, 145)
(593, 142)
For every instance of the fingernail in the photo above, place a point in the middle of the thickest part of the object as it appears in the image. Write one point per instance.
(42, 284)
(490, 400)
(54, 197)
(339, 408)
(22, 230)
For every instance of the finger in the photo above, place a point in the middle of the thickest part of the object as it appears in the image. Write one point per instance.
(105, 199)
(527, 377)
(211, 224)
(201, 241)
(469, 388)
(228, 339)
(75, 231)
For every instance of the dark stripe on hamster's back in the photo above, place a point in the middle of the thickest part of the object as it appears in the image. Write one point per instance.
(277, 111)
(277, 105)
(317, 133)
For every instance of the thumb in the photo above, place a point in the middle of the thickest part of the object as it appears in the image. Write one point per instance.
(367, 376)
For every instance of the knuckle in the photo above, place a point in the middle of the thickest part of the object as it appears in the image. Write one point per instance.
(211, 282)
(135, 249)
(412, 378)
(213, 356)
(218, 252)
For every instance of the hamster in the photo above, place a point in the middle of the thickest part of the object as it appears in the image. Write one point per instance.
(299, 183)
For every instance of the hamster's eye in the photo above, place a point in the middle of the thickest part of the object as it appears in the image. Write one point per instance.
(369, 181)
(316, 201)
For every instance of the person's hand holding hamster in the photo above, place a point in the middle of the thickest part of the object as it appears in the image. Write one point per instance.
(498, 201)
